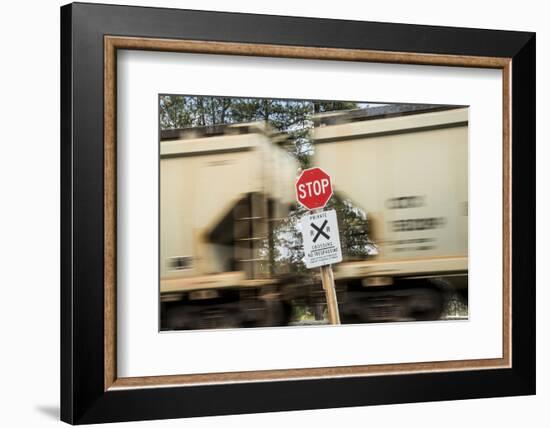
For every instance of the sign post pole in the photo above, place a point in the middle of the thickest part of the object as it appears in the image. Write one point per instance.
(327, 278)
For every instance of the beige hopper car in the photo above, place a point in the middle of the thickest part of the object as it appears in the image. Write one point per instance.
(219, 188)
(408, 171)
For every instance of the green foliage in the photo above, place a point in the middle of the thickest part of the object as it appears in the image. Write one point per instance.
(326, 106)
(302, 313)
(293, 117)
(287, 244)
(353, 228)
(456, 307)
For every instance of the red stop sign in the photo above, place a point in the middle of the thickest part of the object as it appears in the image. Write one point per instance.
(313, 188)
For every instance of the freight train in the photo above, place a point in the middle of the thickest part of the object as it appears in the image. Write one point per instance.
(229, 247)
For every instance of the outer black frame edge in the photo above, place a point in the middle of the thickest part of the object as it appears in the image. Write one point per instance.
(524, 213)
(82, 397)
(66, 369)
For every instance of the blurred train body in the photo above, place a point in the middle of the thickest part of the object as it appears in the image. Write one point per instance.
(220, 196)
(224, 190)
(407, 168)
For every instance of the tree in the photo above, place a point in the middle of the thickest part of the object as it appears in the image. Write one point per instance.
(292, 117)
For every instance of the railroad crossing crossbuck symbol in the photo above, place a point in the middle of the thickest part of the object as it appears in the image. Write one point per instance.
(320, 231)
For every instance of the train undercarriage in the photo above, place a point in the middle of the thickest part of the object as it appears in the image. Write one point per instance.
(405, 299)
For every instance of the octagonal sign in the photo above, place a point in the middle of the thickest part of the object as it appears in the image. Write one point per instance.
(313, 188)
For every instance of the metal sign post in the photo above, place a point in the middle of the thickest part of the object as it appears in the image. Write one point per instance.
(320, 232)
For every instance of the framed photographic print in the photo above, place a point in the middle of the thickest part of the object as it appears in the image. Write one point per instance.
(266, 213)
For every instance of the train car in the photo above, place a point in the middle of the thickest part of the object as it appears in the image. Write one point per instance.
(406, 168)
(220, 197)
